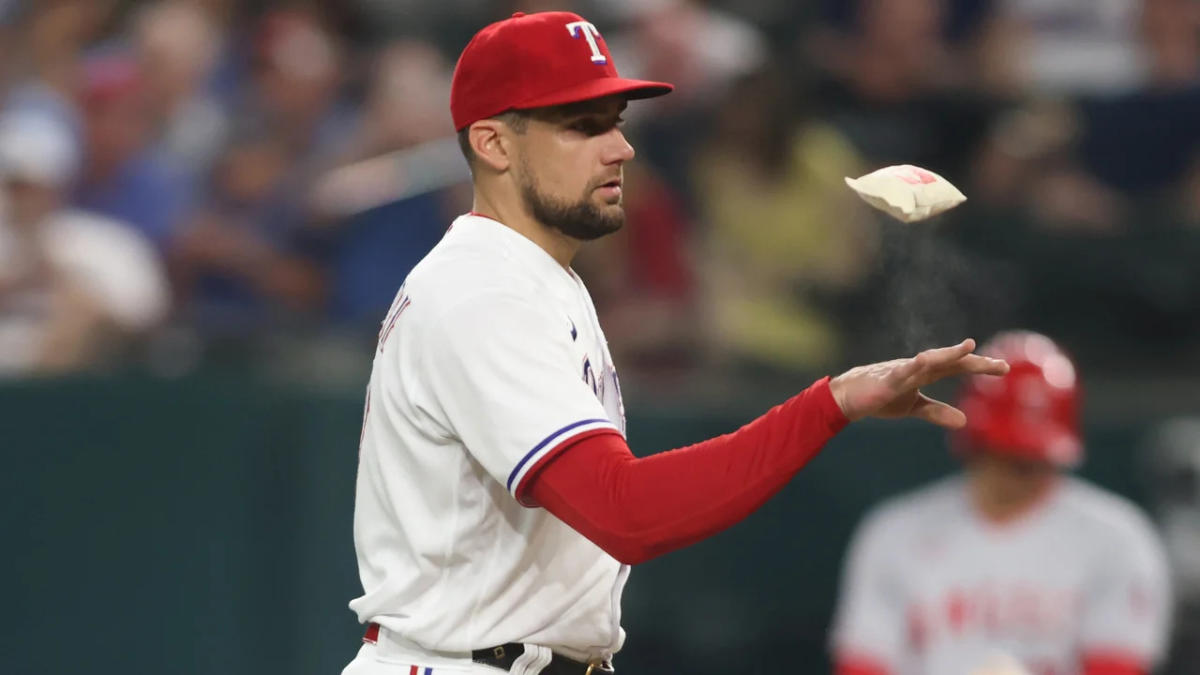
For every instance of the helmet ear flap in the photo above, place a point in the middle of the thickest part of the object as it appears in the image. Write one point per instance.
(1033, 411)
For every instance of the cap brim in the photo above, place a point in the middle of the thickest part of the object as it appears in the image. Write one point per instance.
(599, 88)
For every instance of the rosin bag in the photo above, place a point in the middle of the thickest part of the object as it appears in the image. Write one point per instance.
(908, 193)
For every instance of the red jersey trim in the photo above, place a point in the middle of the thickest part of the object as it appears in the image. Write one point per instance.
(859, 663)
(1113, 661)
(480, 215)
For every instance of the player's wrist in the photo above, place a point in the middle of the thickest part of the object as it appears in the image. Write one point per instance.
(829, 410)
(837, 391)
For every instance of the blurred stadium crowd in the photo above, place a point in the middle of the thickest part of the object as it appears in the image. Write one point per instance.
(188, 181)
(191, 184)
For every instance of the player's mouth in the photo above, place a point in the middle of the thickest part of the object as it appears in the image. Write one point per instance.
(610, 191)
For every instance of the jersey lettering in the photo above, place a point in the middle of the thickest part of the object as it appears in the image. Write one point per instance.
(590, 379)
(994, 612)
(589, 33)
(400, 304)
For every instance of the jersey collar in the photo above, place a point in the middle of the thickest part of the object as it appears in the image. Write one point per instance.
(514, 244)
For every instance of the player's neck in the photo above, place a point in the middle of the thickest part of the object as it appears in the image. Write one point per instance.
(1001, 504)
(513, 215)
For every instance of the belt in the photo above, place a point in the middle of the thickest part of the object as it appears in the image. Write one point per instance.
(503, 657)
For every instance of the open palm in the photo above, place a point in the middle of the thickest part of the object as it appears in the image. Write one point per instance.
(892, 389)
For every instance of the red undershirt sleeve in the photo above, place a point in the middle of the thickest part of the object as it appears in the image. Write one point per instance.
(639, 508)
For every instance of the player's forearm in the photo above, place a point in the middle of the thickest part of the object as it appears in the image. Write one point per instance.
(637, 509)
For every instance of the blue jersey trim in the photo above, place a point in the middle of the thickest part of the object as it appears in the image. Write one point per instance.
(517, 469)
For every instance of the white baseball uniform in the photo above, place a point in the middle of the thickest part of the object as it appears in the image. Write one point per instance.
(932, 588)
(490, 360)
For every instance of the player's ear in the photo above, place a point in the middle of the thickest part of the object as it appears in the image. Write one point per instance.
(489, 140)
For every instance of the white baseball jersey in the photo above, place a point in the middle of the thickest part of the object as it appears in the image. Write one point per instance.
(490, 359)
(931, 588)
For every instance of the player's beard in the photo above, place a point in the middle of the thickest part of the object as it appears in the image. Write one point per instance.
(581, 220)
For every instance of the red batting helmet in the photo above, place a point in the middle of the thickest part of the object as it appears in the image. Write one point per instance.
(1033, 411)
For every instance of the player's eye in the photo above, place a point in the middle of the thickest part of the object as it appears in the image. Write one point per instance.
(585, 126)
(593, 126)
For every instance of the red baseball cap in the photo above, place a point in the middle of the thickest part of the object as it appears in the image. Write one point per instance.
(536, 60)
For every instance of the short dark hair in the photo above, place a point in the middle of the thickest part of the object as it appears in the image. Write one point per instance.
(517, 119)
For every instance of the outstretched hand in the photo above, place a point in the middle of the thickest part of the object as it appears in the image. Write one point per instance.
(891, 389)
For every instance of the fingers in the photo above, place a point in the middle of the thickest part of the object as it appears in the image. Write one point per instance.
(938, 413)
(936, 364)
(981, 365)
(931, 365)
(942, 356)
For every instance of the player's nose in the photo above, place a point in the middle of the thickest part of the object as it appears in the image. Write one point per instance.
(618, 149)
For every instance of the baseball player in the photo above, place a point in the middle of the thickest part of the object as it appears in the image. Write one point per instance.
(498, 507)
(1012, 559)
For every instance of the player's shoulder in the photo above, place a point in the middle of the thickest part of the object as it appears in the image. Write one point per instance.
(905, 513)
(470, 268)
(1090, 507)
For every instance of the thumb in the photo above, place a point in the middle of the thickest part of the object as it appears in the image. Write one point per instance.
(936, 412)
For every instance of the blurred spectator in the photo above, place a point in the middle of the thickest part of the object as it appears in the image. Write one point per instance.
(784, 235)
(1072, 125)
(177, 47)
(1171, 31)
(891, 50)
(44, 63)
(249, 260)
(10, 51)
(232, 27)
(1064, 47)
(1143, 142)
(297, 78)
(698, 48)
(897, 87)
(1124, 72)
(123, 176)
(1096, 258)
(405, 147)
(962, 17)
(56, 34)
(74, 286)
(691, 44)
(1029, 166)
(408, 98)
(244, 262)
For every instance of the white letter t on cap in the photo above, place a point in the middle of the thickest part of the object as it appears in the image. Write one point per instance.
(589, 32)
